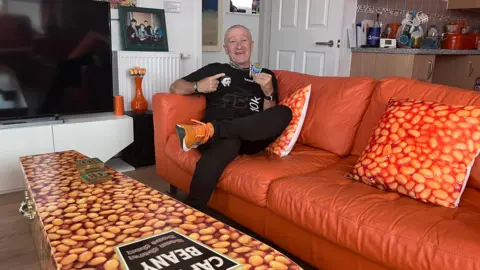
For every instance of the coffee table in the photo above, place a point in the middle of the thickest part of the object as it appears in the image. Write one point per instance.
(77, 226)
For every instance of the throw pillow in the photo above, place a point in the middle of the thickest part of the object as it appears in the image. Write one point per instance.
(422, 149)
(298, 103)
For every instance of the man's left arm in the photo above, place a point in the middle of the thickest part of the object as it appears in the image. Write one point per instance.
(268, 83)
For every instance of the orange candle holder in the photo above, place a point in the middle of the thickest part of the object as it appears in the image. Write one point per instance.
(118, 108)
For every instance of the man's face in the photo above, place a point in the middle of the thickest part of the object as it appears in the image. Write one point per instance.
(133, 24)
(238, 46)
(146, 23)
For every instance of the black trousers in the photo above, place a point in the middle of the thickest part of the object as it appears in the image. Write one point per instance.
(246, 135)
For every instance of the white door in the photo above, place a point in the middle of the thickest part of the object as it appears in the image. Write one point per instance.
(300, 33)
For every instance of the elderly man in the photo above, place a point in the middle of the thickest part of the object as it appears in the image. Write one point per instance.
(241, 117)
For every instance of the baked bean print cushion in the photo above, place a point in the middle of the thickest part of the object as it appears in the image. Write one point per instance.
(298, 103)
(423, 150)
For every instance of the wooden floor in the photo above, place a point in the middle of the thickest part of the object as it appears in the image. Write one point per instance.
(17, 250)
(16, 245)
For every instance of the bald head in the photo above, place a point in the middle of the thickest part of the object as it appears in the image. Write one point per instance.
(236, 26)
(238, 45)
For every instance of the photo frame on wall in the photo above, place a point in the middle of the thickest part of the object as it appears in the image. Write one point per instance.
(125, 3)
(114, 4)
(143, 29)
(212, 25)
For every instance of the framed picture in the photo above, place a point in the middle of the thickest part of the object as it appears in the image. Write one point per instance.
(126, 3)
(114, 4)
(212, 25)
(143, 29)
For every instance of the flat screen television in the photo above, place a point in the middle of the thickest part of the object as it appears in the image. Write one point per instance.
(55, 58)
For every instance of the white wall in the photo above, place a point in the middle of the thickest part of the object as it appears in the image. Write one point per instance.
(184, 31)
(250, 21)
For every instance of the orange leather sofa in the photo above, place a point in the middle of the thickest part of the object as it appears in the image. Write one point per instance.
(304, 204)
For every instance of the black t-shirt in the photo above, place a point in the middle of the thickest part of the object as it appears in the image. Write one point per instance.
(237, 95)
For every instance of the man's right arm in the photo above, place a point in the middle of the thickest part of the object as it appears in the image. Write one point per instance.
(182, 87)
(204, 86)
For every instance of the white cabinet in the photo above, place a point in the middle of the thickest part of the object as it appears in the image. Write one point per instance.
(102, 136)
(18, 142)
(96, 135)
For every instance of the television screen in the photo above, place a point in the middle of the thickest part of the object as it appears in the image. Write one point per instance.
(55, 58)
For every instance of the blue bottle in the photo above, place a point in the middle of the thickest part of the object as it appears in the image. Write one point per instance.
(373, 36)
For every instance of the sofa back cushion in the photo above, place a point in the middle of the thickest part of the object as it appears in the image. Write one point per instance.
(402, 88)
(335, 110)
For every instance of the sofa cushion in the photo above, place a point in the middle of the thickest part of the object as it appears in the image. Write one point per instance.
(402, 88)
(298, 104)
(335, 109)
(384, 227)
(249, 177)
(422, 149)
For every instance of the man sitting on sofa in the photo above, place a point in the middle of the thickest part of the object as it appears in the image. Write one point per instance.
(241, 117)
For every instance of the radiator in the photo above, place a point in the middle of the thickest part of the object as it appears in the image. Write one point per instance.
(163, 68)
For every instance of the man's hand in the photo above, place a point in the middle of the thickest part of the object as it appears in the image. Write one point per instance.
(265, 82)
(209, 84)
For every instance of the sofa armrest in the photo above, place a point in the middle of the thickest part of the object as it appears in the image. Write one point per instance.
(169, 110)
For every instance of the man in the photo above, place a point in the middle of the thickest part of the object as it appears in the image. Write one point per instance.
(242, 115)
(148, 28)
(132, 32)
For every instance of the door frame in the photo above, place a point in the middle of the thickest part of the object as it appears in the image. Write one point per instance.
(264, 32)
(342, 68)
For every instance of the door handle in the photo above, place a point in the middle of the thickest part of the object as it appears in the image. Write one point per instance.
(430, 70)
(471, 68)
(329, 43)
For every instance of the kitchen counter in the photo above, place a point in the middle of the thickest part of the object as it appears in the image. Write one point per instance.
(415, 51)
(457, 68)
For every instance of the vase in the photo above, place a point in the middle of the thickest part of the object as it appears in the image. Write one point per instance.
(139, 103)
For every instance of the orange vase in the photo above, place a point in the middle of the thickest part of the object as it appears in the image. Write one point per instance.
(139, 103)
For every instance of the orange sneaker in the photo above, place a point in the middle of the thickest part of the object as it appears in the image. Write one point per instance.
(191, 136)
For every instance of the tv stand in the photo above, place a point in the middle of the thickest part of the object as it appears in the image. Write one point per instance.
(101, 135)
(29, 122)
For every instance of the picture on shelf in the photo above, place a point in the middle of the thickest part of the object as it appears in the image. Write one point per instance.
(143, 29)
(116, 3)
